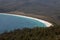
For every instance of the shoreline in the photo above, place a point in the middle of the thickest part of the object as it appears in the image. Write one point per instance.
(48, 24)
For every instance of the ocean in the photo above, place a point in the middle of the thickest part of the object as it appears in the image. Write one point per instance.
(8, 23)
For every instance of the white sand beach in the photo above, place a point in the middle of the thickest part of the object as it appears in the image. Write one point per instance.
(48, 24)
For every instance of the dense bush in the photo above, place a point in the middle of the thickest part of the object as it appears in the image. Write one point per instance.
(50, 33)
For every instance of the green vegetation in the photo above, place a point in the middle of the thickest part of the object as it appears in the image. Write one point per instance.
(51, 33)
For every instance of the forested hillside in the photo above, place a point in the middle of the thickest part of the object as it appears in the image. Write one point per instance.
(51, 33)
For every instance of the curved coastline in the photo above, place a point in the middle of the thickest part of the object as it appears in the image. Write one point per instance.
(48, 24)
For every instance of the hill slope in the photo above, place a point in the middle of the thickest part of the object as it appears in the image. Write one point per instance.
(39, 7)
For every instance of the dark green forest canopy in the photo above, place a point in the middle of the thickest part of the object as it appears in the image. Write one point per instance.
(50, 33)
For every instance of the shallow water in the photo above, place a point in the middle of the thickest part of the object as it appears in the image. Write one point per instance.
(8, 22)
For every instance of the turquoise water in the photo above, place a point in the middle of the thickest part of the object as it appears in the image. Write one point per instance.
(8, 22)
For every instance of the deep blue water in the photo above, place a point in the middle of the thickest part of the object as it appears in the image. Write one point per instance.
(8, 23)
